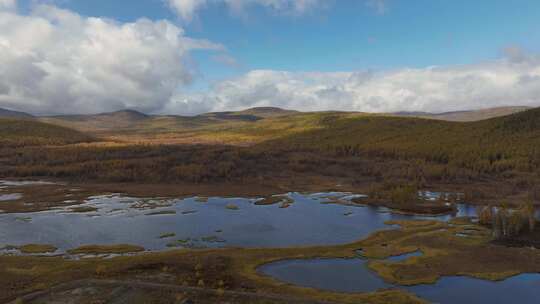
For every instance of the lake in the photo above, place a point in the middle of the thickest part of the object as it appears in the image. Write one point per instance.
(310, 220)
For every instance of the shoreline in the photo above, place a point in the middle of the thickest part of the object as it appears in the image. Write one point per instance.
(62, 193)
(239, 266)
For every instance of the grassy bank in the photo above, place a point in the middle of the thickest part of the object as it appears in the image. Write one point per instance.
(444, 254)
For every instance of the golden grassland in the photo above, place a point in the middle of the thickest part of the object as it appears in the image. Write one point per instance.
(37, 248)
(444, 254)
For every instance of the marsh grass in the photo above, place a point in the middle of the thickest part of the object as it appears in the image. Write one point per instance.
(37, 248)
(444, 254)
(106, 249)
(232, 207)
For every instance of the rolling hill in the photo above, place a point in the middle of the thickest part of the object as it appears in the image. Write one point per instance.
(4, 113)
(447, 133)
(495, 144)
(499, 154)
(133, 126)
(467, 116)
(136, 127)
(98, 122)
(20, 132)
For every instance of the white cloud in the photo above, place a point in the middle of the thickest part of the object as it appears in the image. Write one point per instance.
(436, 89)
(187, 9)
(8, 5)
(56, 61)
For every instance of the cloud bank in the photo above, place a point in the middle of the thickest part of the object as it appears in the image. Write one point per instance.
(7, 4)
(513, 80)
(56, 61)
(187, 9)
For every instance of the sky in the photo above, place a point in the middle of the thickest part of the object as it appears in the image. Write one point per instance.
(192, 56)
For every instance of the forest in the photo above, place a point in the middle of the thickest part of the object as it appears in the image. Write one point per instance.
(499, 156)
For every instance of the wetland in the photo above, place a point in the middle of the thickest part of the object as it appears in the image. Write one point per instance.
(325, 246)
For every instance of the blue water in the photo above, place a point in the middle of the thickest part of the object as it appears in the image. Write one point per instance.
(352, 275)
(342, 275)
(522, 289)
(308, 221)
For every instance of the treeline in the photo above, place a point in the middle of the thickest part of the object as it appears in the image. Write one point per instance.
(214, 164)
(139, 163)
(506, 222)
(200, 164)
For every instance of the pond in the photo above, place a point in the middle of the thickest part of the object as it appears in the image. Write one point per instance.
(342, 275)
(352, 275)
(158, 224)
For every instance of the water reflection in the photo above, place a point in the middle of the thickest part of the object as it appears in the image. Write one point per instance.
(308, 221)
(342, 275)
(352, 275)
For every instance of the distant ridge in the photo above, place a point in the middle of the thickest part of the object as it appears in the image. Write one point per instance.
(4, 113)
(123, 114)
(464, 116)
(101, 121)
(267, 112)
(251, 114)
(126, 114)
(134, 122)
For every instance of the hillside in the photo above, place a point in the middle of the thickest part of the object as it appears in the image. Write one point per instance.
(16, 132)
(495, 144)
(97, 122)
(498, 157)
(135, 127)
(467, 116)
(258, 125)
(241, 127)
(265, 112)
(400, 133)
(132, 122)
(4, 113)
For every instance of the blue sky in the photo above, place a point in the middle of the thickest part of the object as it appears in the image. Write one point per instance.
(346, 35)
(349, 35)
(334, 35)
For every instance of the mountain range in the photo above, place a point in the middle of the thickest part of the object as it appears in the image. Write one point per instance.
(129, 119)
